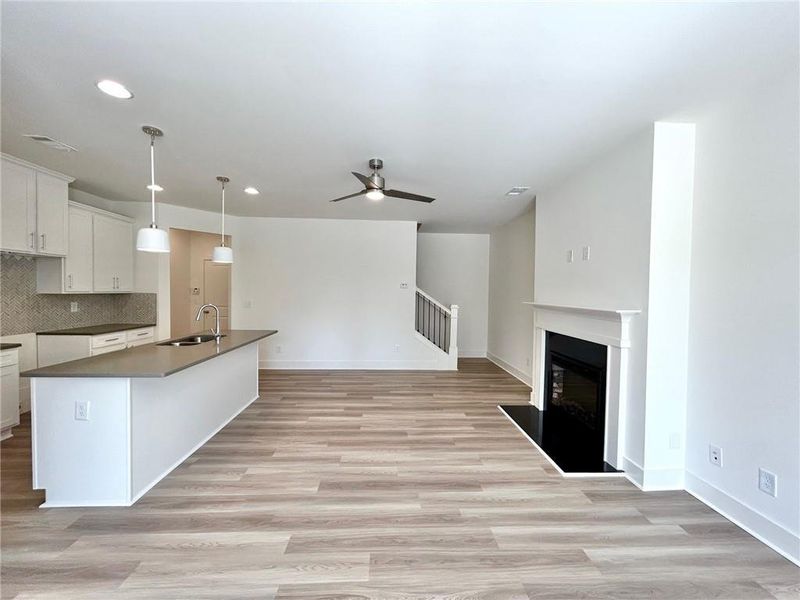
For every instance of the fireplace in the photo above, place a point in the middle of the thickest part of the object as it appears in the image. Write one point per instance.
(571, 426)
(573, 431)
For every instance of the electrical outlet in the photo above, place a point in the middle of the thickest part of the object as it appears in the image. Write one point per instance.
(768, 482)
(403, 286)
(248, 304)
(397, 347)
(586, 252)
(82, 410)
(570, 256)
(278, 349)
(73, 307)
(715, 455)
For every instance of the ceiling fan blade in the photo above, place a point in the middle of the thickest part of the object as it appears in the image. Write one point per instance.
(349, 196)
(407, 196)
(364, 179)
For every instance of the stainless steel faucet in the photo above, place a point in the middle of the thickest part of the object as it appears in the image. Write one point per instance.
(217, 333)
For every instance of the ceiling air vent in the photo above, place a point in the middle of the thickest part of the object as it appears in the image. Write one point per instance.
(516, 191)
(50, 142)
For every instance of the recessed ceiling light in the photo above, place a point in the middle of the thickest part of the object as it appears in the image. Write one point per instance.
(251, 190)
(112, 88)
(516, 191)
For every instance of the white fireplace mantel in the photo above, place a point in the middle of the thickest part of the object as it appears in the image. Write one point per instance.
(609, 327)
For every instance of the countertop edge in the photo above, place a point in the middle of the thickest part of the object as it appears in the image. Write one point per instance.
(42, 371)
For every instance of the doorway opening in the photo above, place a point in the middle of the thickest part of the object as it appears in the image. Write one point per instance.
(195, 280)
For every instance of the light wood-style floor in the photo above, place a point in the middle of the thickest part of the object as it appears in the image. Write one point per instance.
(381, 485)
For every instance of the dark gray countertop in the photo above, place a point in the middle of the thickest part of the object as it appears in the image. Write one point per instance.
(97, 329)
(150, 360)
(9, 346)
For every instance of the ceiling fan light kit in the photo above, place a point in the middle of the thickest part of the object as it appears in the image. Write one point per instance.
(374, 186)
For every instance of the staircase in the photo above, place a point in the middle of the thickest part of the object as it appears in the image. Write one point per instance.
(438, 324)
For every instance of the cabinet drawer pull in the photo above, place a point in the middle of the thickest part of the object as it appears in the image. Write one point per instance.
(111, 339)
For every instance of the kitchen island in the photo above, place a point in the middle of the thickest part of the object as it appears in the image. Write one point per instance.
(106, 429)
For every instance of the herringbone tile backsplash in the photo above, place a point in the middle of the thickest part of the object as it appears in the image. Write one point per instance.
(22, 310)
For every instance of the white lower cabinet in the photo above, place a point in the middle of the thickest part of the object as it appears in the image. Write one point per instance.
(107, 349)
(54, 349)
(9, 391)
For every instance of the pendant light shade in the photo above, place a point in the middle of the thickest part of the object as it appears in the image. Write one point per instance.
(152, 239)
(222, 253)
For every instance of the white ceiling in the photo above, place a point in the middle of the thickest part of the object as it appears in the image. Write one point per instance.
(461, 101)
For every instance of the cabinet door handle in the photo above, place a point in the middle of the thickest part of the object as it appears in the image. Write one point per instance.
(44, 241)
(70, 280)
(33, 240)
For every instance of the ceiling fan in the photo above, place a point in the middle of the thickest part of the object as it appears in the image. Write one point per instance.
(373, 186)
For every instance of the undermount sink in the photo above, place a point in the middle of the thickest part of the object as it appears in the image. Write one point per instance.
(191, 340)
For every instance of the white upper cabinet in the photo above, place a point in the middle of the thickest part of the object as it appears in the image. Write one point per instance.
(113, 254)
(17, 207)
(51, 214)
(99, 255)
(33, 209)
(78, 271)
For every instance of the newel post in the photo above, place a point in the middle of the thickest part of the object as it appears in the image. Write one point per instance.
(453, 350)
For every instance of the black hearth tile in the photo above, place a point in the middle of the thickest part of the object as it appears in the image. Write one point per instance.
(572, 448)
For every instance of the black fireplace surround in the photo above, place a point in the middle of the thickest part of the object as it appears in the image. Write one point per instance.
(571, 427)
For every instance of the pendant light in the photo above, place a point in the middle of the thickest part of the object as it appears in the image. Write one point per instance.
(152, 239)
(222, 253)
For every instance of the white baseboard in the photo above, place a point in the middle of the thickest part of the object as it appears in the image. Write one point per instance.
(511, 369)
(662, 480)
(471, 353)
(784, 542)
(633, 471)
(384, 365)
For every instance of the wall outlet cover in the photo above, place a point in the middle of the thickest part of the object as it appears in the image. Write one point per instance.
(82, 410)
(586, 254)
(768, 482)
(715, 455)
(73, 307)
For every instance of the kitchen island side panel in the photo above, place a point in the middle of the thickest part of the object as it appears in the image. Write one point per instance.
(173, 416)
(81, 459)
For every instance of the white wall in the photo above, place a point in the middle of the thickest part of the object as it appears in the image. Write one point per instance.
(510, 338)
(605, 205)
(744, 394)
(331, 286)
(454, 269)
(333, 290)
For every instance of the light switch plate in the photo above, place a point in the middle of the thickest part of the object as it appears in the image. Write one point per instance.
(570, 256)
(586, 252)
